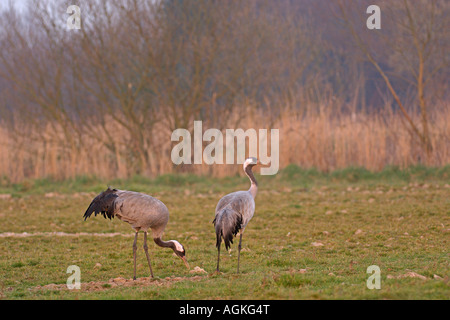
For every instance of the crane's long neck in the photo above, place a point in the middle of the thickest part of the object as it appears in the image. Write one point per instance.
(165, 244)
(175, 246)
(254, 185)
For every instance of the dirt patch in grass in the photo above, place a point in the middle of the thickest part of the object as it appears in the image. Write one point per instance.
(120, 282)
(62, 234)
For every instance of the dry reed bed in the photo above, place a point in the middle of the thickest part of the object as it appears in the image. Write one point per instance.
(322, 140)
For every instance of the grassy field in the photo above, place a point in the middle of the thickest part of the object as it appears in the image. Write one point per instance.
(312, 237)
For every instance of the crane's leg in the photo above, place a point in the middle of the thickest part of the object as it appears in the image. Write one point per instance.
(146, 253)
(134, 253)
(239, 249)
(218, 252)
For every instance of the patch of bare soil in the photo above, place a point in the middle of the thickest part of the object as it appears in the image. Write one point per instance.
(61, 234)
(121, 282)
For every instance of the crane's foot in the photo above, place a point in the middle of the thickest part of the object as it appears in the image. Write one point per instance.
(216, 273)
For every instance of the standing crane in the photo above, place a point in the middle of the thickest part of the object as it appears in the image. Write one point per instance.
(142, 212)
(234, 211)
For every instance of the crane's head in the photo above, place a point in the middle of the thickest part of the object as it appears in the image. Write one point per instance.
(179, 251)
(250, 162)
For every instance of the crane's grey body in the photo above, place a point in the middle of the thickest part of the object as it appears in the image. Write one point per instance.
(142, 212)
(234, 211)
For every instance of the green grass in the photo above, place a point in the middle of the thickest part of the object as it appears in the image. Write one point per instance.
(398, 220)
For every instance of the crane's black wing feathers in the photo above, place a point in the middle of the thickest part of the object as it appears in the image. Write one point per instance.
(103, 203)
(227, 223)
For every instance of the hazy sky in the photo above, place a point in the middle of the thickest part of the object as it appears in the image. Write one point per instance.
(17, 3)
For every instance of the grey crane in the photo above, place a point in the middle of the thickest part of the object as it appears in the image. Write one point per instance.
(142, 212)
(234, 211)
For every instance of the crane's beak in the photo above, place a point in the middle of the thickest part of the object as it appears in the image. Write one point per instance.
(185, 262)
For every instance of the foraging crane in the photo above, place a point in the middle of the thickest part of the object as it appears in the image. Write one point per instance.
(142, 212)
(234, 211)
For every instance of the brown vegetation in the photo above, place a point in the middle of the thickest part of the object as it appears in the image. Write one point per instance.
(104, 99)
(326, 141)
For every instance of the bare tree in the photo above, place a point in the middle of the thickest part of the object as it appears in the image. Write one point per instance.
(415, 37)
